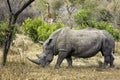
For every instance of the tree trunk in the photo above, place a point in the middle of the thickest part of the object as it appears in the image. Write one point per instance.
(11, 26)
(8, 37)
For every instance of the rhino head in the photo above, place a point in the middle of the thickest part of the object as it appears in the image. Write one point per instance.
(47, 54)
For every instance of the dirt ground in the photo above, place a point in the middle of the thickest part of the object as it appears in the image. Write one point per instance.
(19, 68)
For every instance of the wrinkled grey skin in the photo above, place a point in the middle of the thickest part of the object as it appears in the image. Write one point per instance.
(85, 43)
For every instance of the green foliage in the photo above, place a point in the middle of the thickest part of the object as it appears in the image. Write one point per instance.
(89, 16)
(91, 11)
(3, 28)
(57, 4)
(39, 30)
(90, 4)
(84, 19)
(104, 15)
(40, 5)
(76, 1)
(107, 26)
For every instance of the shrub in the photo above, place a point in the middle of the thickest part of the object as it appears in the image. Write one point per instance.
(39, 30)
(3, 27)
(108, 27)
(85, 18)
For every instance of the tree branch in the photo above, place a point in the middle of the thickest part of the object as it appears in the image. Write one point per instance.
(8, 2)
(23, 7)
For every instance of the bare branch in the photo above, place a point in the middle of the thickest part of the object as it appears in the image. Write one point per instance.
(23, 7)
(8, 2)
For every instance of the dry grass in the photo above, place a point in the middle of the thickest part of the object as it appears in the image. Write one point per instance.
(16, 69)
(19, 68)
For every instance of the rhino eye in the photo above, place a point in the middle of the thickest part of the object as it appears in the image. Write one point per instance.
(46, 48)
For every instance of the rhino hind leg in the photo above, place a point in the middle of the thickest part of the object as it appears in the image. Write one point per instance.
(108, 60)
(111, 61)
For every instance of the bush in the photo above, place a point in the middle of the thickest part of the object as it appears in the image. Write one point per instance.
(39, 30)
(3, 28)
(104, 26)
(85, 18)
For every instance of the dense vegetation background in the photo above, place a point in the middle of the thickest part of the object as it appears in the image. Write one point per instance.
(78, 14)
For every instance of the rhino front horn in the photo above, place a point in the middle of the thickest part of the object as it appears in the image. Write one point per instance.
(37, 61)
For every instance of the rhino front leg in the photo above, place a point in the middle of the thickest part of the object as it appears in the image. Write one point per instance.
(69, 60)
(61, 57)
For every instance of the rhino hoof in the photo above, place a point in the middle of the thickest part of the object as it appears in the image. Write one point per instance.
(112, 66)
(57, 67)
(69, 66)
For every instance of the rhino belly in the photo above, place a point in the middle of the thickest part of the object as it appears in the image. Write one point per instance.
(87, 51)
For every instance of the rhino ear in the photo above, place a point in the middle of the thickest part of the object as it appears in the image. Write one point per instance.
(50, 40)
